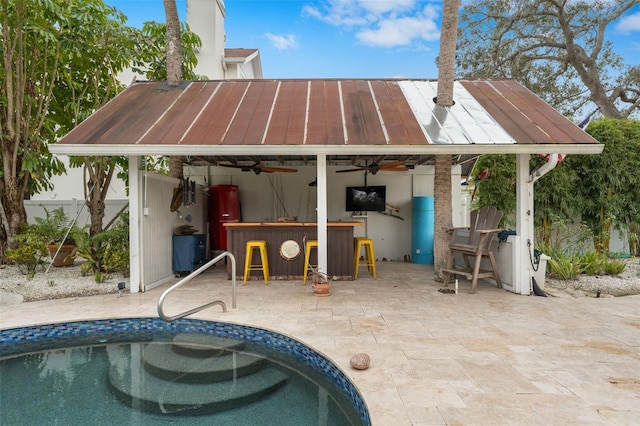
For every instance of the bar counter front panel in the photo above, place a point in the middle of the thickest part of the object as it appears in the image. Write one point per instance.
(339, 247)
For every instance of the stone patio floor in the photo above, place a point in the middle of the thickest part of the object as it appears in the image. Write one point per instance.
(436, 359)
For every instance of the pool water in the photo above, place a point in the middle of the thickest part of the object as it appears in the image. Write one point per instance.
(89, 375)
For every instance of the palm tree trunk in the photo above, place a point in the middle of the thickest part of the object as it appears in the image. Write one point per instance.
(442, 191)
(442, 214)
(173, 46)
(174, 70)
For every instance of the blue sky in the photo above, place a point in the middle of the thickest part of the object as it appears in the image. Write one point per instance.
(347, 38)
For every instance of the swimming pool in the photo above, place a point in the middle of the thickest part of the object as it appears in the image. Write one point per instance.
(101, 339)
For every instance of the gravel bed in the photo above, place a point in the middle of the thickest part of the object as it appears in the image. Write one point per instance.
(58, 283)
(63, 282)
(625, 284)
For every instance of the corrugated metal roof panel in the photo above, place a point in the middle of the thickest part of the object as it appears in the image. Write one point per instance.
(369, 114)
(182, 113)
(466, 122)
(523, 115)
(288, 118)
(361, 114)
(324, 114)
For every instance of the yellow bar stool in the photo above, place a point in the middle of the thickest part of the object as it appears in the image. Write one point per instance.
(369, 258)
(261, 245)
(307, 257)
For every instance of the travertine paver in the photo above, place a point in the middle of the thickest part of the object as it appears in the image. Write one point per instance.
(487, 358)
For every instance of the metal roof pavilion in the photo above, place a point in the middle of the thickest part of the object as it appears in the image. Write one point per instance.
(291, 121)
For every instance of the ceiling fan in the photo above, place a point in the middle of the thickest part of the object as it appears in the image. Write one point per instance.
(258, 168)
(373, 168)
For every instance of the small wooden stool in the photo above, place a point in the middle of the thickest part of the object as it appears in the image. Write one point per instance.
(369, 258)
(264, 262)
(307, 257)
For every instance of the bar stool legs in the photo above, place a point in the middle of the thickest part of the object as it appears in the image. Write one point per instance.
(264, 261)
(369, 258)
(307, 258)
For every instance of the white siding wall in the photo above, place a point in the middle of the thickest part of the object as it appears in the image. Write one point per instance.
(158, 226)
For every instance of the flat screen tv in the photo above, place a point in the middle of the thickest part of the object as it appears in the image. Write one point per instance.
(366, 198)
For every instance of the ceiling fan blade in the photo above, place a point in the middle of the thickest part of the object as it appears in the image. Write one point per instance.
(351, 170)
(395, 169)
(277, 169)
(392, 165)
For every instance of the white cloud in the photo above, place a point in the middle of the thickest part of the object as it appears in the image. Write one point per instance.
(282, 42)
(382, 23)
(629, 23)
(402, 31)
(385, 6)
(337, 13)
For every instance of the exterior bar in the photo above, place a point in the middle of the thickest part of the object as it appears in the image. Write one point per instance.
(340, 246)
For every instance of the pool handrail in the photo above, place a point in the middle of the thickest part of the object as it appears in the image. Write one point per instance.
(192, 276)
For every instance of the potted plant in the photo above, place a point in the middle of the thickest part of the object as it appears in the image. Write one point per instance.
(63, 252)
(319, 282)
(60, 233)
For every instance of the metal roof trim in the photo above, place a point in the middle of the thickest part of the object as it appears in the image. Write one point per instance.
(231, 150)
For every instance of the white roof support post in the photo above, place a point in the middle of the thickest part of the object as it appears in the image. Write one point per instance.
(523, 243)
(135, 249)
(321, 174)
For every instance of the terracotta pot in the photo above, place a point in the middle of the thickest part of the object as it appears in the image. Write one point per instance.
(65, 255)
(321, 288)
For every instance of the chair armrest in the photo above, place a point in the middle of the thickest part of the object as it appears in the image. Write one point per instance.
(459, 228)
(487, 231)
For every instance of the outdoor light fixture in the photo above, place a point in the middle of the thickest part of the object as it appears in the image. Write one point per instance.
(120, 288)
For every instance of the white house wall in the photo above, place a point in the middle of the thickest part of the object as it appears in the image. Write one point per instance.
(73, 208)
(71, 185)
(206, 18)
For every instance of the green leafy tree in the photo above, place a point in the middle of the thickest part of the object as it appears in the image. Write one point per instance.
(600, 190)
(50, 50)
(557, 49)
(152, 58)
(555, 207)
(498, 187)
(608, 191)
(554, 199)
(60, 60)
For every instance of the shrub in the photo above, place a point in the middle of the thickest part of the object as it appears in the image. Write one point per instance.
(593, 263)
(116, 255)
(614, 267)
(565, 267)
(107, 251)
(569, 266)
(30, 253)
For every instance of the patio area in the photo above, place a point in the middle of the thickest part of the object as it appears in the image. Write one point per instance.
(487, 358)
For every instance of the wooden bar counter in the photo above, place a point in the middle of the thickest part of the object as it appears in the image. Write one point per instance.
(339, 246)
